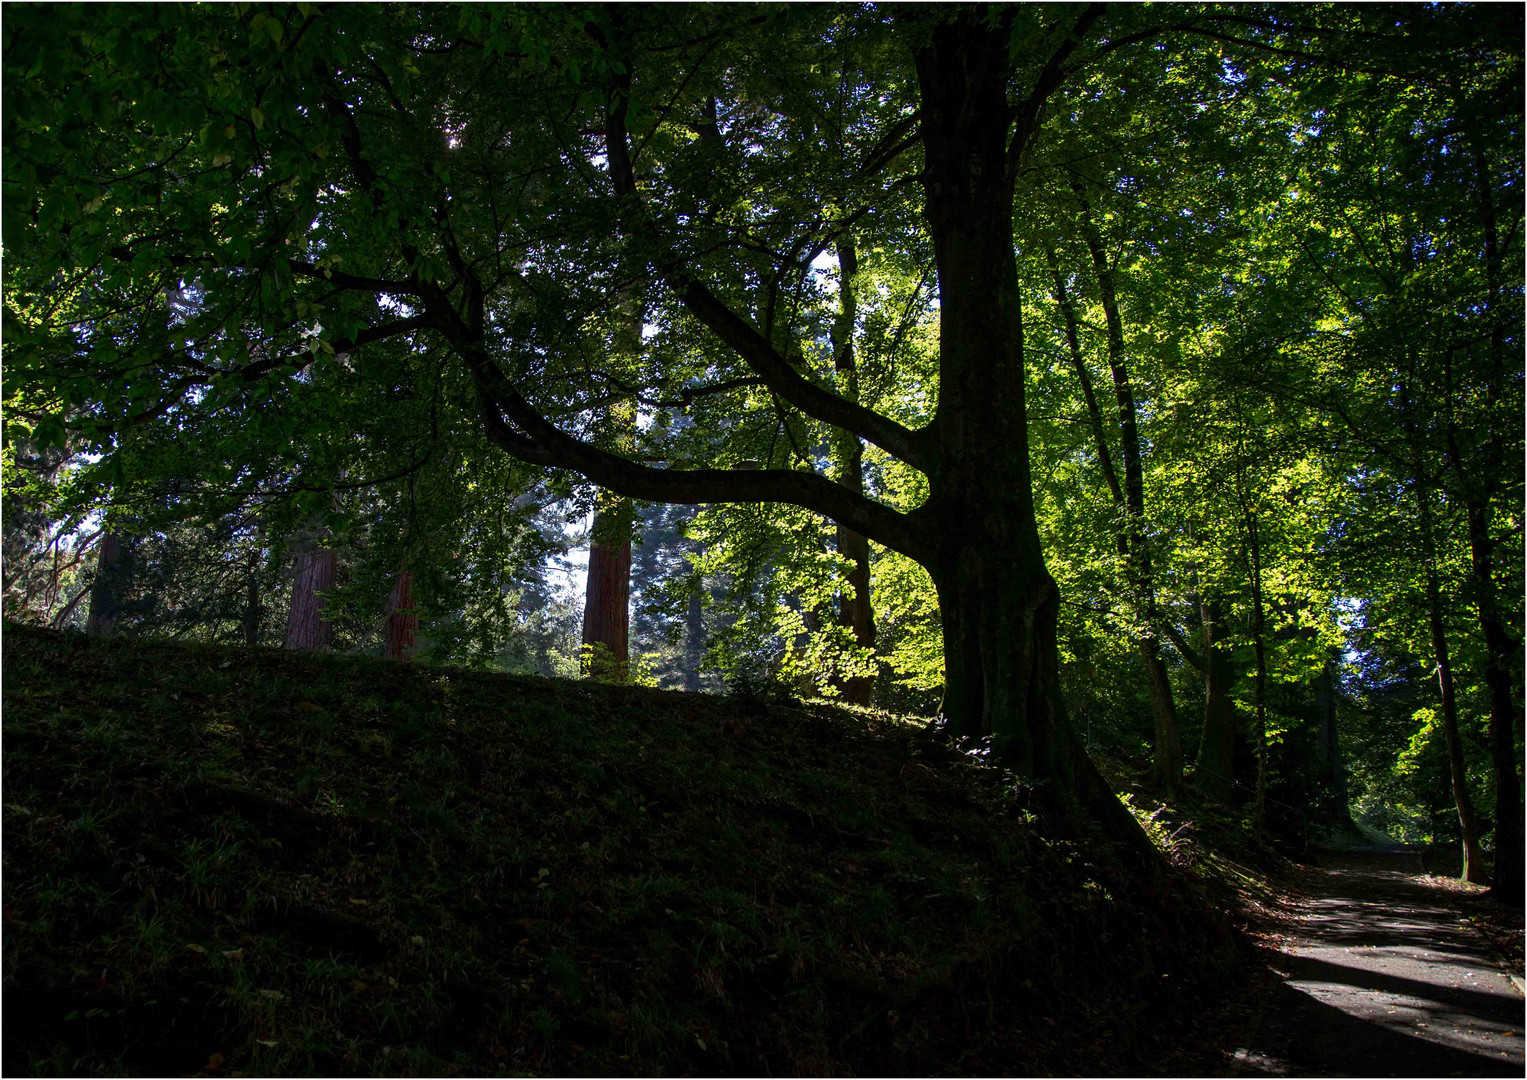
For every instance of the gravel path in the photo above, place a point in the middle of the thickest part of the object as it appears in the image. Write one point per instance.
(1381, 976)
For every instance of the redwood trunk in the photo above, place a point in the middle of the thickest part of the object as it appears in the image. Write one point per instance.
(607, 599)
(306, 628)
(402, 621)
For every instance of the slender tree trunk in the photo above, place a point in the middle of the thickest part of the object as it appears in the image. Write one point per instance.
(1508, 877)
(855, 609)
(1129, 499)
(1216, 747)
(111, 573)
(1333, 774)
(1468, 824)
(694, 639)
(402, 620)
(313, 575)
(252, 608)
(1258, 628)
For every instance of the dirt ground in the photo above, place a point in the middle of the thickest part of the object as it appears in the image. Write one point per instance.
(1383, 970)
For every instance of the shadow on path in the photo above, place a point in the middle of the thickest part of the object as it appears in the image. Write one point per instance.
(1382, 977)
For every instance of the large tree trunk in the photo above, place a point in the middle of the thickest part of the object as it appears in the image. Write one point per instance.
(112, 570)
(607, 598)
(402, 621)
(313, 575)
(855, 610)
(998, 602)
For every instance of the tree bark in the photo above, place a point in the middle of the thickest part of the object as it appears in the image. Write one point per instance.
(106, 592)
(694, 639)
(1333, 773)
(855, 609)
(402, 621)
(607, 597)
(1214, 773)
(1258, 633)
(998, 602)
(1468, 824)
(313, 575)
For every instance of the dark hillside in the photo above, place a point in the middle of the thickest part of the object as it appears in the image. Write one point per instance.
(223, 861)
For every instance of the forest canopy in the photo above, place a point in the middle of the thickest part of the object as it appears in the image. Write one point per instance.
(1153, 369)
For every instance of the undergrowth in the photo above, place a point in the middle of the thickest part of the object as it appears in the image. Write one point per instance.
(225, 862)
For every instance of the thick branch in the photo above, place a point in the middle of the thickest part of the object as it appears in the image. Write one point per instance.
(543, 443)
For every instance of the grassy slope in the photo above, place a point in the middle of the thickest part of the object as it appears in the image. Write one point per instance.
(248, 861)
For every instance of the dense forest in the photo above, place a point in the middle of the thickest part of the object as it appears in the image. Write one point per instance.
(1116, 386)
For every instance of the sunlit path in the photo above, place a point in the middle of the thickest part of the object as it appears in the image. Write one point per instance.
(1382, 978)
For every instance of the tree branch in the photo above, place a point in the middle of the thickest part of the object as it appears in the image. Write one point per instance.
(751, 346)
(1026, 115)
(540, 442)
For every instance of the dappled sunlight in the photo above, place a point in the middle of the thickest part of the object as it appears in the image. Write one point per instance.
(1379, 975)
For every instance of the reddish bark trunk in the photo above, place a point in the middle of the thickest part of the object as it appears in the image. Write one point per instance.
(306, 628)
(607, 600)
(402, 621)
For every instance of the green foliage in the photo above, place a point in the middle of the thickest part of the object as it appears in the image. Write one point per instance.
(239, 239)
